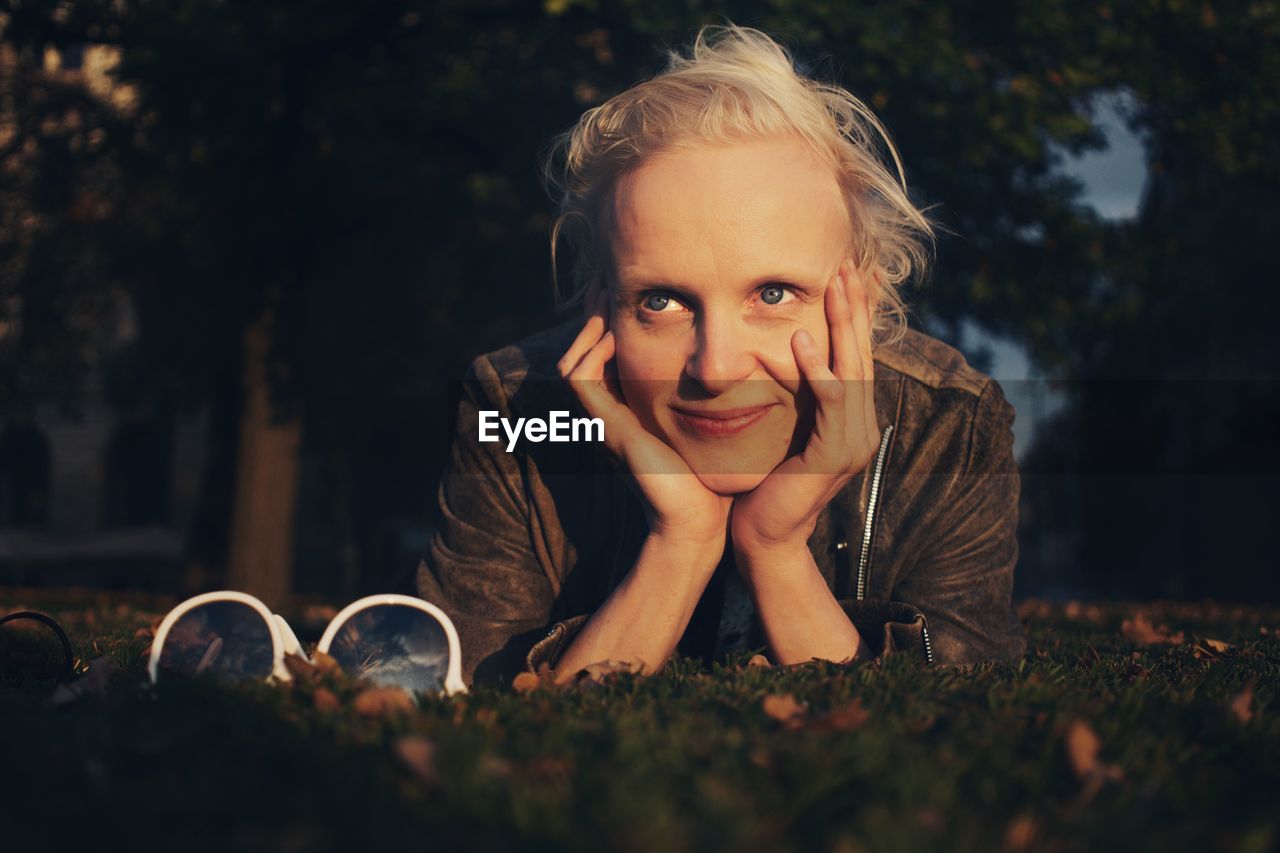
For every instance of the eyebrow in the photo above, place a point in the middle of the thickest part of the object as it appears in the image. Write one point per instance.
(635, 283)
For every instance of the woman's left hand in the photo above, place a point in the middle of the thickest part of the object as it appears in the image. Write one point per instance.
(779, 515)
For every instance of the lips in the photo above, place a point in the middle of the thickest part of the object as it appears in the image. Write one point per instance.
(721, 422)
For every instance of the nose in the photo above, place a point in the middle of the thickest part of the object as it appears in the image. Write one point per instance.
(722, 355)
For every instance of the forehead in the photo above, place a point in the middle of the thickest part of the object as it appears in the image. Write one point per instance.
(711, 214)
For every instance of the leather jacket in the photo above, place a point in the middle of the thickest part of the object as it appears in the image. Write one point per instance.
(919, 548)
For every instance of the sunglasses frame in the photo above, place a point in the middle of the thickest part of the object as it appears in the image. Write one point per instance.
(68, 668)
(284, 641)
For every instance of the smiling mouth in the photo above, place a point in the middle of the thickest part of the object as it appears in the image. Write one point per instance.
(718, 424)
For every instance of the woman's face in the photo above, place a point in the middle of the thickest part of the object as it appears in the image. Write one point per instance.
(722, 253)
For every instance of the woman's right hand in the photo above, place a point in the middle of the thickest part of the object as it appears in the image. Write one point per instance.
(679, 507)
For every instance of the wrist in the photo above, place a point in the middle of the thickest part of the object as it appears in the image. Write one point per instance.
(776, 559)
(689, 550)
(766, 551)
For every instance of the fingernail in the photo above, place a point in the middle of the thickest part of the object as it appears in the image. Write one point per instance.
(805, 339)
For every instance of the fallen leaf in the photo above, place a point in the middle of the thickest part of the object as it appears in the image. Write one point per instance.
(1021, 834)
(1140, 630)
(324, 700)
(300, 669)
(525, 682)
(383, 701)
(1082, 749)
(1083, 746)
(846, 718)
(759, 661)
(325, 663)
(1242, 704)
(784, 708)
(418, 754)
(1209, 649)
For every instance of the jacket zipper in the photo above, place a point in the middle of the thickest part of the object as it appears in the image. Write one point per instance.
(864, 560)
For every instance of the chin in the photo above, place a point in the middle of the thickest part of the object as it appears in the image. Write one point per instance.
(727, 485)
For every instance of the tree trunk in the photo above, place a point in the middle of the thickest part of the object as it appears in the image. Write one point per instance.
(266, 490)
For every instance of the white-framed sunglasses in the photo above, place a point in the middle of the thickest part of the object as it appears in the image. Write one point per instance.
(391, 640)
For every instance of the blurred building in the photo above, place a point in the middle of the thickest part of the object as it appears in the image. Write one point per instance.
(103, 492)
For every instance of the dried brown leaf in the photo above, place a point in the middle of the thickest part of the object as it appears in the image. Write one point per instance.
(383, 701)
(299, 669)
(1140, 630)
(1021, 834)
(1242, 704)
(1083, 747)
(418, 755)
(324, 700)
(784, 708)
(1218, 645)
(759, 661)
(525, 682)
(325, 663)
(846, 718)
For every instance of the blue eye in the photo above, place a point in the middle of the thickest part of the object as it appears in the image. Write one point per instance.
(772, 294)
(656, 302)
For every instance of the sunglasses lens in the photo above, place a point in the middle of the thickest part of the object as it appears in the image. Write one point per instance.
(225, 639)
(394, 645)
(31, 653)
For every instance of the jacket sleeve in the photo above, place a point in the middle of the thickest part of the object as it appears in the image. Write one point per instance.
(481, 566)
(961, 584)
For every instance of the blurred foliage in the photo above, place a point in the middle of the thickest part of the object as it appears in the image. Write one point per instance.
(368, 172)
(1102, 738)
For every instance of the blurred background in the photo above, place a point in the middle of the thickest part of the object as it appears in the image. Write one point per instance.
(246, 245)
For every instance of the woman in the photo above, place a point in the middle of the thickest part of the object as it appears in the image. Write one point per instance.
(784, 465)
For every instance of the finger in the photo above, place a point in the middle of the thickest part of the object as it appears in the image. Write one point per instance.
(860, 309)
(828, 441)
(592, 331)
(844, 345)
(590, 381)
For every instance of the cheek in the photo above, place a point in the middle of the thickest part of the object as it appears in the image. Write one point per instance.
(646, 358)
(777, 354)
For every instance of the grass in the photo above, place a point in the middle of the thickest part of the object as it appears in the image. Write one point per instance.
(888, 757)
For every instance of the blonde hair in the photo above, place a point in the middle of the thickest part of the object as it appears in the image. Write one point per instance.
(738, 83)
